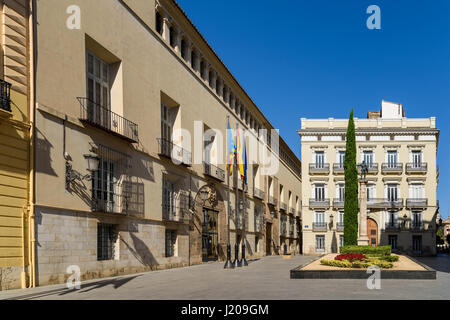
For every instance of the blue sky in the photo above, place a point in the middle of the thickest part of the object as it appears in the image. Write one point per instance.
(317, 59)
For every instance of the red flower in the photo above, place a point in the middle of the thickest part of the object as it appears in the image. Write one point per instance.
(350, 257)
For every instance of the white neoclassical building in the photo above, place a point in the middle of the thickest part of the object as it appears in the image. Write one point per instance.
(402, 180)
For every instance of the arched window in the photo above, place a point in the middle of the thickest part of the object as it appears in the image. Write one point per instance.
(193, 58)
(183, 49)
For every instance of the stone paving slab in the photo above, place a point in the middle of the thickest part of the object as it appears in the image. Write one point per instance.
(265, 279)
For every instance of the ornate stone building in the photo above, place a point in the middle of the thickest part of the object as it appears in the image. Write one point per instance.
(402, 180)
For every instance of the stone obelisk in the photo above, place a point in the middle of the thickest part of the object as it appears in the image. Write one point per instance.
(363, 239)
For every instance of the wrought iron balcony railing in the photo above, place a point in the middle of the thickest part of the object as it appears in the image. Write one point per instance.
(319, 168)
(416, 167)
(417, 226)
(416, 203)
(372, 168)
(338, 168)
(173, 215)
(340, 226)
(241, 185)
(272, 200)
(319, 226)
(259, 223)
(319, 203)
(213, 171)
(338, 203)
(291, 210)
(374, 203)
(258, 193)
(392, 225)
(172, 151)
(5, 95)
(392, 168)
(103, 118)
(283, 206)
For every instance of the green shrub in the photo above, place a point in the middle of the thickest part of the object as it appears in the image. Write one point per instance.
(367, 250)
(388, 258)
(336, 263)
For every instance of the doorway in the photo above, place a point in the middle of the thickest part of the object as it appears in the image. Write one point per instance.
(210, 235)
(372, 232)
(268, 239)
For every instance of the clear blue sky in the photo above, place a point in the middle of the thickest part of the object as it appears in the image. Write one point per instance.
(317, 59)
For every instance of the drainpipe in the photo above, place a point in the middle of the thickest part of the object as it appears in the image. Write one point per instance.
(32, 106)
(23, 275)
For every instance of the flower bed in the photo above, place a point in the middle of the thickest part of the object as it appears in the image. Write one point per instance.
(363, 257)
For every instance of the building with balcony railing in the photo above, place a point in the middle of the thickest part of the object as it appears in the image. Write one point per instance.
(213, 171)
(258, 193)
(402, 177)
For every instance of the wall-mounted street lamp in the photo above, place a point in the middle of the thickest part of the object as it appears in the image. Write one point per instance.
(73, 175)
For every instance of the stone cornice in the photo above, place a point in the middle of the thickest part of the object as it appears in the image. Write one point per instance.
(370, 131)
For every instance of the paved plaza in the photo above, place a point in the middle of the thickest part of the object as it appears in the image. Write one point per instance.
(264, 279)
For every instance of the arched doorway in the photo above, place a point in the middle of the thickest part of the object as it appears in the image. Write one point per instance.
(372, 232)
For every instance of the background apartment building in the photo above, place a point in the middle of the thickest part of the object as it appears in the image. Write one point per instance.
(402, 180)
(15, 147)
(114, 94)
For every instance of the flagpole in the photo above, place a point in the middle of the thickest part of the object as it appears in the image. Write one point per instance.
(236, 261)
(243, 260)
(228, 264)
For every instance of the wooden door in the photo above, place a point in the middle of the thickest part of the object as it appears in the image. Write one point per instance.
(372, 232)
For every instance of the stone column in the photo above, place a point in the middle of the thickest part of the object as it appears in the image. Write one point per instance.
(198, 59)
(213, 79)
(166, 29)
(179, 35)
(189, 49)
(363, 239)
(207, 68)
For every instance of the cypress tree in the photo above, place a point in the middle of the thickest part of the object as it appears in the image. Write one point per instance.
(351, 187)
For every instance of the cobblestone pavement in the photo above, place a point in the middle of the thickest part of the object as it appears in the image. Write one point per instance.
(267, 278)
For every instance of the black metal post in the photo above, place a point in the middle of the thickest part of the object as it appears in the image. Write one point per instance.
(228, 263)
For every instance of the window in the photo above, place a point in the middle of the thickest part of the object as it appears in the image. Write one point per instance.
(417, 244)
(320, 243)
(368, 158)
(319, 218)
(341, 158)
(158, 22)
(392, 192)
(341, 218)
(104, 184)
(256, 244)
(98, 91)
(167, 121)
(172, 36)
(392, 159)
(171, 240)
(319, 192)
(183, 48)
(393, 241)
(106, 241)
(341, 192)
(417, 219)
(169, 196)
(416, 159)
(341, 241)
(416, 191)
(392, 218)
(320, 159)
(193, 60)
(370, 192)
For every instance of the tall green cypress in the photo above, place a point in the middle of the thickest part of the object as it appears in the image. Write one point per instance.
(351, 187)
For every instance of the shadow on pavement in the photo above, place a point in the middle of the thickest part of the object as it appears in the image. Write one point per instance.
(439, 263)
(116, 283)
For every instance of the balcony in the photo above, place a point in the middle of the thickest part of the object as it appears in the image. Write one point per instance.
(257, 193)
(396, 168)
(319, 226)
(272, 200)
(213, 171)
(417, 226)
(5, 96)
(412, 168)
(291, 210)
(383, 203)
(173, 216)
(283, 206)
(291, 230)
(174, 152)
(319, 203)
(259, 223)
(338, 203)
(392, 226)
(319, 168)
(283, 229)
(416, 203)
(372, 168)
(241, 185)
(340, 226)
(338, 168)
(103, 118)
